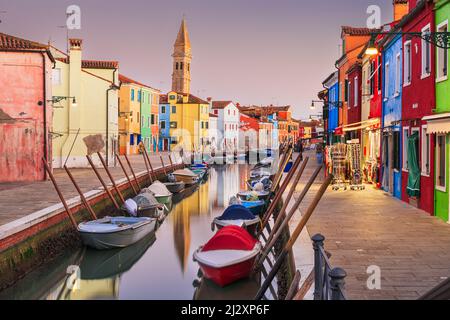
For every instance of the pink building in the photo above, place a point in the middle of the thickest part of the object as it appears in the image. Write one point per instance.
(25, 109)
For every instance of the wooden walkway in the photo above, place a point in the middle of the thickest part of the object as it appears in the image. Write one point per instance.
(371, 228)
(18, 200)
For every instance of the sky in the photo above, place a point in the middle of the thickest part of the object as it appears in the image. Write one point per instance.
(257, 52)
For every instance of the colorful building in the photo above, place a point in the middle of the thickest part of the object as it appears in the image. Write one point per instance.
(332, 85)
(227, 124)
(25, 109)
(213, 133)
(137, 116)
(249, 132)
(164, 124)
(438, 124)
(418, 100)
(86, 120)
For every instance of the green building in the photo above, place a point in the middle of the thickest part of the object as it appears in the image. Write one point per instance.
(438, 125)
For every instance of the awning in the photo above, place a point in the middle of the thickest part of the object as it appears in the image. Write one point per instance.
(438, 123)
(366, 124)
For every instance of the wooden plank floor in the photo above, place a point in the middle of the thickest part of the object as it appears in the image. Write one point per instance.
(20, 199)
(369, 228)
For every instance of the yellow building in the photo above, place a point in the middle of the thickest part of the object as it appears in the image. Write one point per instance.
(189, 115)
(85, 108)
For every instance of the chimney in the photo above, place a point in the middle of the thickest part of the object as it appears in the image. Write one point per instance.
(75, 46)
(209, 99)
(401, 8)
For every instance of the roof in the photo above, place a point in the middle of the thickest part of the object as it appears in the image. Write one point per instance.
(183, 36)
(8, 42)
(98, 64)
(124, 79)
(356, 31)
(354, 67)
(212, 115)
(192, 99)
(220, 104)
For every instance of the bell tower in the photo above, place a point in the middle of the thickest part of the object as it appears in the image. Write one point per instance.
(181, 76)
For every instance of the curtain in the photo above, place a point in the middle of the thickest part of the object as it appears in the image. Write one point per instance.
(413, 189)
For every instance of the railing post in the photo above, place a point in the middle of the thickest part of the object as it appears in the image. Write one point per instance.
(337, 283)
(318, 240)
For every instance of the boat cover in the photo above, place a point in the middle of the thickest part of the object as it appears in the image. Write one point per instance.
(231, 238)
(159, 189)
(251, 204)
(237, 212)
(145, 200)
(185, 172)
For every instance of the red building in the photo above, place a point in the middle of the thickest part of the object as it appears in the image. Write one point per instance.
(354, 74)
(25, 109)
(248, 133)
(419, 99)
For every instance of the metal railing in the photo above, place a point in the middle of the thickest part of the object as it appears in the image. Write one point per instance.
(328, 282)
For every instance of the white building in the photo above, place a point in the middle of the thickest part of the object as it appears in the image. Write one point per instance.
(227, 124)
(213, 132)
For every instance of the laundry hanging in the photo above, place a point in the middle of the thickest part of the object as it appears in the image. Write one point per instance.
(413, 189)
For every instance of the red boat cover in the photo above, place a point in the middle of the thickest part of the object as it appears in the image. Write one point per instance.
(231, 238)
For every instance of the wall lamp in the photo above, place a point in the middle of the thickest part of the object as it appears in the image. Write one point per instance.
(56, 99)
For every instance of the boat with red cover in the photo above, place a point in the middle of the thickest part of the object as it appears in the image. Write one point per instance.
(229, 255)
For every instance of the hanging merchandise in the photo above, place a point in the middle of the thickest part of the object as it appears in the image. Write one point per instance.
(339, 165)
(354, 159)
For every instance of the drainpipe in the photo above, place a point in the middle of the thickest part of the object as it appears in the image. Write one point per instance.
(112, 87)
(45, 111)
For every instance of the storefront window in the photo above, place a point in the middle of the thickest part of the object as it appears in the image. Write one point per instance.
(440, 163)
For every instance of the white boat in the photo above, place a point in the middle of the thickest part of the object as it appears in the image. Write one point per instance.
(186, 176)
(160, 192)
(115, 232)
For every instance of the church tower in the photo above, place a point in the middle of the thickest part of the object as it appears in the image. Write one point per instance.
(181, 76)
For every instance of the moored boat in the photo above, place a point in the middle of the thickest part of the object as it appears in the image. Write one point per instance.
(229, 255)
(143, 205)
(253, 195)
(115, 232)
(160, 192)
(238, 215)
(175, 187)
(186, 176)
(256, 207)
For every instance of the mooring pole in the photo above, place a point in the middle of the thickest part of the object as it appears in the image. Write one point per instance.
(61, 197)
(150, 163)
(171, 163)
(162, 162)
(82, 197)
(126, 175)
(110, 195)
(291, 242)
(111, 177)
(132, 170)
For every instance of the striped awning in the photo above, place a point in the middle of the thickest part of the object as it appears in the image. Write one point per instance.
(438, 123)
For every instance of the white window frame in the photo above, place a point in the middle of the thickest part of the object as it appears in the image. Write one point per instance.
(349, 92)
(425, 150)
(425, 44)
(407, 64)
(437, 169)
(56, 81)
(398, 76)
(386, 81)
(356, 93)
(405, 149)
(438, 51)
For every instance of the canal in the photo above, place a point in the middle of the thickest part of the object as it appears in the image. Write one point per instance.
(158, 267)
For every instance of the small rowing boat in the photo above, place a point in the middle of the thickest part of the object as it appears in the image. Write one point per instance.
(229, 255)
(238, 215)
(115, 232)
(186, 176)
(143, 205)
(256, 207)
(253, 195)
(160, 192)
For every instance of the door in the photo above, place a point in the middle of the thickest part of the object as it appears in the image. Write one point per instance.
(166, 145)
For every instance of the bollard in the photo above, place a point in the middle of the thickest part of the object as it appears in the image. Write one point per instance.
(337, 282)
(318, 240)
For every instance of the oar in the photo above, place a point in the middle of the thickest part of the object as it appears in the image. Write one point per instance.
(293, 238)
(111, 177)
(103, 182)
(126, 175)
(278, 232)
(61, 197)
(82, 197)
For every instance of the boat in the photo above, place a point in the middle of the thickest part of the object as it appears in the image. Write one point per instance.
(160, 192)
(115, 232)
(229, 255)
(175, 187)
(244, 290)
(238, 215)
(259, 173)
(186, 176)
(256, 207)
(202, 173)
(265, 163)
(143, 205)
(266, 182)
(254, 195)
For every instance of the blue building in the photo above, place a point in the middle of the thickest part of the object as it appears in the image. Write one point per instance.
(164, 124)
(332, 84)
(391, 143)
(275, 141)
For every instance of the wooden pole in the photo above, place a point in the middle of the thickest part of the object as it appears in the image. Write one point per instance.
(126, 175)
(82, 197)
(61, 197)
(278, 232)
(111, 177)
(132, 170)
(150, 163)
(146, 166)
(110, 195)
(294, 237)
(293, 288)
(171, 163)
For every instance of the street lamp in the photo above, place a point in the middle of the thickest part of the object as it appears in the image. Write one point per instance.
(56, 99)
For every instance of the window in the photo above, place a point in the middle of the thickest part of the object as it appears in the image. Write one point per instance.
(163, 124)
(203, 125)
(398, 76)
(172, 97)
(131, 139)
(405, 137)
(138, 118)
(56, 79)
(442, 56)
(426, 54)
(181, 65)
(346, 90)
(386, 81)
(153, 119)
(176, 66)
(189, 67)
(163, 109)
(174, 109)
(407, 70)
(379, 73)
(372, 77)
(440, 163)
(355, 84)
(173, 125)
(132, 94)
(149, 121)
(139, 95)
(396, 152)
(207, 125)
(216, 112)
(142, 120)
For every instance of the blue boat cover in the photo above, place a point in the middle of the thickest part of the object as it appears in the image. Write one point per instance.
(237, 212)
(251, 204)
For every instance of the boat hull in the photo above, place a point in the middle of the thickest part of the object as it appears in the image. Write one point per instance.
(188, 180)
(175, 187)
(117, 239)
(164, 199)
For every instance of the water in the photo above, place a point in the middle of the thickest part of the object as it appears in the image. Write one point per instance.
(158, 267)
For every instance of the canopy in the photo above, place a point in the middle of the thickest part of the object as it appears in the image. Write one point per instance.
(159, 189)
(231, 238)
(439, 123)
(413, 189)
(237, 212)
